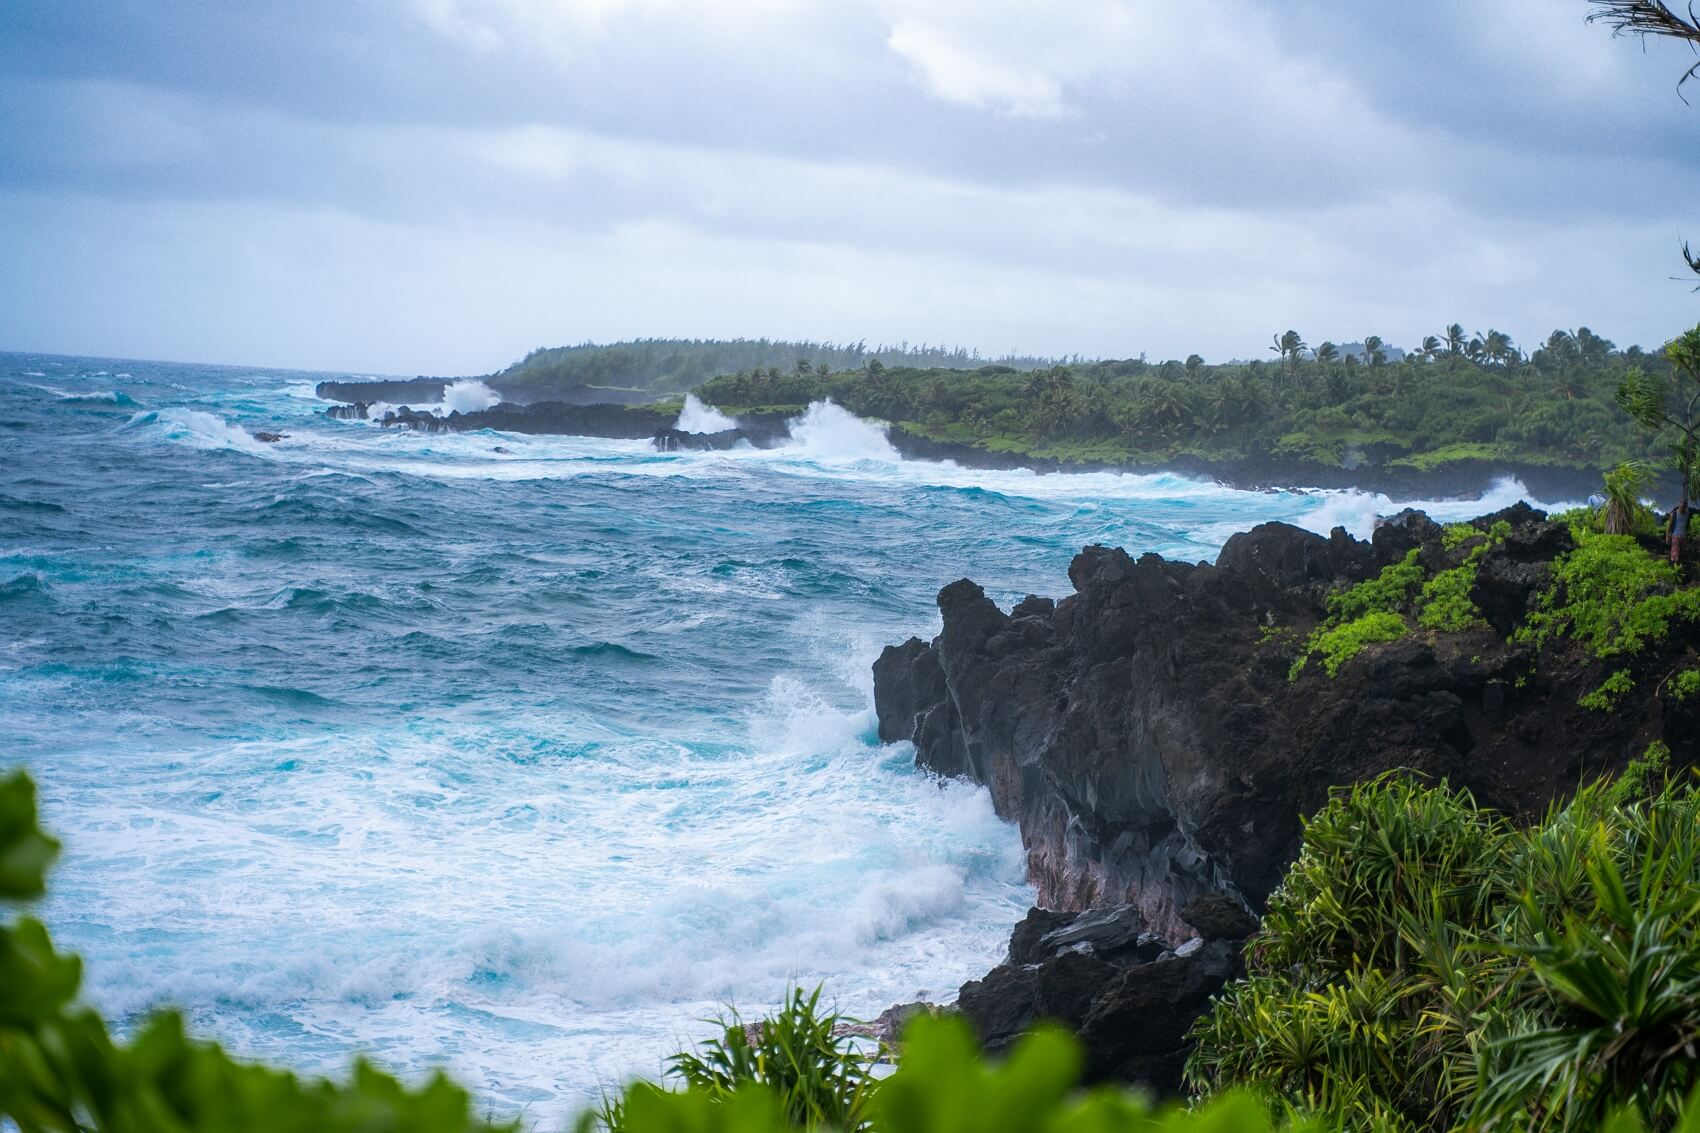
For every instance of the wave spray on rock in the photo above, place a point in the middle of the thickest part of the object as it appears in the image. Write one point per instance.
(469, 396)
(828, 431)
(696, 417)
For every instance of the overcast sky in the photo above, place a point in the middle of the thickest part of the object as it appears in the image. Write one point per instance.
(437, 186)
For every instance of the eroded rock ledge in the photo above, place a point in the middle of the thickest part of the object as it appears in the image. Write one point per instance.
(1144, 734)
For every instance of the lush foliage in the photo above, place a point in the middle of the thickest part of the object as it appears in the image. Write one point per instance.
(1457, 398)
(676, 364)
(1427, 965)
(818, 1076)
(1667, 405)
(1378, 609)
(1615, 599)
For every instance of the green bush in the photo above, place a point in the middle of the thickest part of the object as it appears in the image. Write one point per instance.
(1613, 689)
(1425, 965)
(1611, 596)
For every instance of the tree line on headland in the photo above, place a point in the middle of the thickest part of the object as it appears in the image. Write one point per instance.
(1457, 397)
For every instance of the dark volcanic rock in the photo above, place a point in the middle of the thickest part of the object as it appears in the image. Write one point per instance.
(1123, 990)
(1218, 916)
(756, 435)
(1025, 945)
(1145, 735)
(624, 422)
(1136, 1028)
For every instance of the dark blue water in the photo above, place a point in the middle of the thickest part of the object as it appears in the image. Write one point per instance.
(516, 762)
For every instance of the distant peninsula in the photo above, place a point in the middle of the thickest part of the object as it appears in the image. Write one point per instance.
(1442, 418)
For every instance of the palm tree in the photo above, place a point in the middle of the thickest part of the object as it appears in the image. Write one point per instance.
(1497, 347)
(1290, 347)
(1455, 339)
(1375, 352)
(1327, 353)
(1431, 348)
(1194, 363)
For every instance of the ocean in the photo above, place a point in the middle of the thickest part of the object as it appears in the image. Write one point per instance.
(514, 756)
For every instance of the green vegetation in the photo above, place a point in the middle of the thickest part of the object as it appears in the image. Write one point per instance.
(1457, 399)
(1376, 609)
(1667, 405)
(1685, 684)
(1612, 690)
(1623, 513)
(672, 365)
(1426, 965)
(819, 1079)
(1611, 596)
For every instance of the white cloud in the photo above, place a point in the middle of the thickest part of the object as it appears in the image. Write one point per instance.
(961, 72)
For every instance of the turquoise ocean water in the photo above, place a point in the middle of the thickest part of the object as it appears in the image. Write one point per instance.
(514, 762)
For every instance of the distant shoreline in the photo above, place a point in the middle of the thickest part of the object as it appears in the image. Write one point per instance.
(1456, 479)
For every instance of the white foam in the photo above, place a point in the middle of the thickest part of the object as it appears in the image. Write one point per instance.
(696, 417)
(469, 396)
(1358, 511)
(195, 428)
(827, 431)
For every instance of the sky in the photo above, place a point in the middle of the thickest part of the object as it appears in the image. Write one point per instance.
(439, 186)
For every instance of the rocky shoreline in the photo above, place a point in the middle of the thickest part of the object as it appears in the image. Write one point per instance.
(1146, 736)
(624, 421)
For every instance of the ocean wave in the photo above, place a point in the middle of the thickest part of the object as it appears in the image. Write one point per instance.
(23, 588)
(196, 428)
(115, 398)
(44, 507)
(1358, 511)
(696, 417)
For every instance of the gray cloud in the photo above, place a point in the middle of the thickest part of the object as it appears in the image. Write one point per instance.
(438, 185)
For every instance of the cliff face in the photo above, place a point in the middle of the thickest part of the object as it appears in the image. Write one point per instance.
(1144, 733)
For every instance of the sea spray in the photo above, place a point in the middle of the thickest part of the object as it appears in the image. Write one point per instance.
(696, 417)
(468, 396)
(827, 431)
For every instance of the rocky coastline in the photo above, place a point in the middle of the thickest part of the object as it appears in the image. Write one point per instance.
(578, 414)
(1146, 735)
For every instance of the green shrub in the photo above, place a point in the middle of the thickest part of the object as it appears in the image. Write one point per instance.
(1425, 965)
(1612, 596)
(1361, 615)
(1684, 685)
(820, 1079)
(1613, 689)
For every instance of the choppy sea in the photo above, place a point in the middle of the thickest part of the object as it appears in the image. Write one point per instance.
(517, 756)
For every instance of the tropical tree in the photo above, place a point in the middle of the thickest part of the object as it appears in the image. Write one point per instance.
(1194, 363)
(1375, 351)
(1670, 406)
(1290, 347)
(1623, 506)
(1327, 353)
(1455, 339)
(1431, 347)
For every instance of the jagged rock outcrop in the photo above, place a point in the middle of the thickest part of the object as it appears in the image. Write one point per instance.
(623, 422)
(756, 434)
(1146, 735)
(1120, 986)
